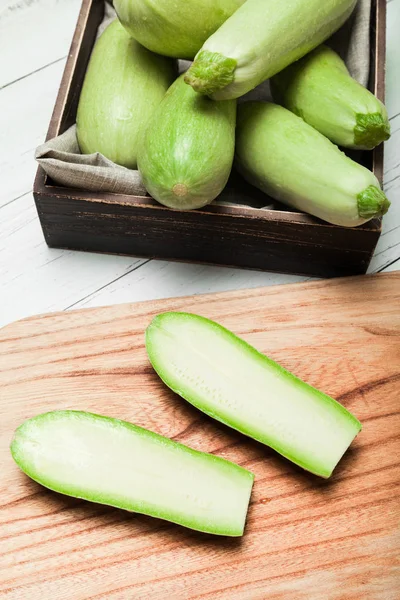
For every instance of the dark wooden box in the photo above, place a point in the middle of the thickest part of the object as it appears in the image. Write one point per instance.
(273, 240)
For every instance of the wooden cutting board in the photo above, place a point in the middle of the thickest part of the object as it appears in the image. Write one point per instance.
(305, 539)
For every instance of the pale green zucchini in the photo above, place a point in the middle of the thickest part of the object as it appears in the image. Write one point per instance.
(173, 28)
(113, 462)
(260, 39)
(229, 380)
(319, 89)
(123, 85)
(188, 148)
(288, 159)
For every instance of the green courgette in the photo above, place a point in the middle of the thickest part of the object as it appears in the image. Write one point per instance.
(288, 159)
(113, 462)
(229, 380)
(319, 89)
(123, 85)
(188, 148)
(171, 28)
(260, 39)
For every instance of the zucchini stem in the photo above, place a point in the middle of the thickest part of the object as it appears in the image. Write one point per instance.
(210, 72)
(372, 202)
(370, 130)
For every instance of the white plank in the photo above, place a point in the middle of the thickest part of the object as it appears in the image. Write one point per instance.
(36, 279)
(162, 279)
(388, 248)
(25, 111)
(392, 147)
(392, 58)
(395, 266)
(34, 33)
(33, 278)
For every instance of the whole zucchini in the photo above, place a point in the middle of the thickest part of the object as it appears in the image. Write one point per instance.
(124, 83)
(171, 28)
(319, 89)
(288, 159)
(260, 39)
(188, 148)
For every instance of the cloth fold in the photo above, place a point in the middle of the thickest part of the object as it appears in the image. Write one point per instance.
(61, 158)
(63, 162)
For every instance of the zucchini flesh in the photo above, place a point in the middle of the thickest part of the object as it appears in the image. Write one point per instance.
(260, 39)
(319, 89)
(232, 382)
(291, 161)
(113, 462)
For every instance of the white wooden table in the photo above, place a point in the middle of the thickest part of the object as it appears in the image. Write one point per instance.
(34, 40)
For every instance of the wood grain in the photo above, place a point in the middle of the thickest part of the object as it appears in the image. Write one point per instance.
(306, 539)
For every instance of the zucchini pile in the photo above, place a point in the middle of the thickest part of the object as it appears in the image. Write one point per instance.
(185, 132)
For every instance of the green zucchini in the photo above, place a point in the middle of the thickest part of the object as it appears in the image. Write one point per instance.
(113, 462)
(188, 148)
(319, 89)
(260, 39)
(123, 85)
(173, 29)
(288, 159)
(229, 380)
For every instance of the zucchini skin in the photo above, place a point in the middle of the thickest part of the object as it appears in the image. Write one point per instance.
(74, 453)
(260, 39)
(174, 29)
(188, 148)
(319, 89)
(288, 159)
(124, 83)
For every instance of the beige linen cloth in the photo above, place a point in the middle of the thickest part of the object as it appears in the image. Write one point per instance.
(63, 162)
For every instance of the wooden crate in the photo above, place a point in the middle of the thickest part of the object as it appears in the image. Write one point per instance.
(273, 240)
